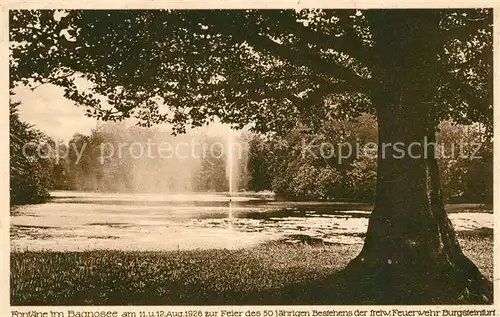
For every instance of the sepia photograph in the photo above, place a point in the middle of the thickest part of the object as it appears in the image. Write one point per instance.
(311, 156)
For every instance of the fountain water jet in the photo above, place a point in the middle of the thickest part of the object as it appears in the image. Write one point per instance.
(230, 165)
(230, 162)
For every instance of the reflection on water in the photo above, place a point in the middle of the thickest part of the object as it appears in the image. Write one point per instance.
(80, 221)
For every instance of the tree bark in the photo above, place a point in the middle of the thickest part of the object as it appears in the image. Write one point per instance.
(411, 253)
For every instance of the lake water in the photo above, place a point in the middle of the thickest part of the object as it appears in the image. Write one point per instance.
(76, 221)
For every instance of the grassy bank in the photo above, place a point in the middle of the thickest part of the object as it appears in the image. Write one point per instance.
(250, 276)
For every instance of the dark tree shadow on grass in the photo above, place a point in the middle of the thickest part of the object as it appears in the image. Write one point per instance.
(382, 285)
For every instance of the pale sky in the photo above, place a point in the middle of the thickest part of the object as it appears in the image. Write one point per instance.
(48, 110)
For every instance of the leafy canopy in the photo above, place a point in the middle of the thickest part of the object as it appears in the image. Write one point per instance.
(273, 69)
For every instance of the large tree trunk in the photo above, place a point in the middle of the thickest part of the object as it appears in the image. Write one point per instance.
(411, 253)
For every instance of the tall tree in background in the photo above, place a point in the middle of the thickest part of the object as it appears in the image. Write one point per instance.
(468, 176)
(30, 161)
(321, 165)
(211, 175)
(276, 69)
(259, 164)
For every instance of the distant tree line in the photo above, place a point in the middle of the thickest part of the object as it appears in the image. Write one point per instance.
(298, 168)
(117, 158)
(301, 166)
(30, 173)
(112, 158)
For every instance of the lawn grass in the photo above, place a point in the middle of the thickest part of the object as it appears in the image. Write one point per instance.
(246, 276)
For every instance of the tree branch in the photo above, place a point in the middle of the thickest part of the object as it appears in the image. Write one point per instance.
(305, 57)
(310, 60)
(344, 44)
(472, 26)
(467, 92)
